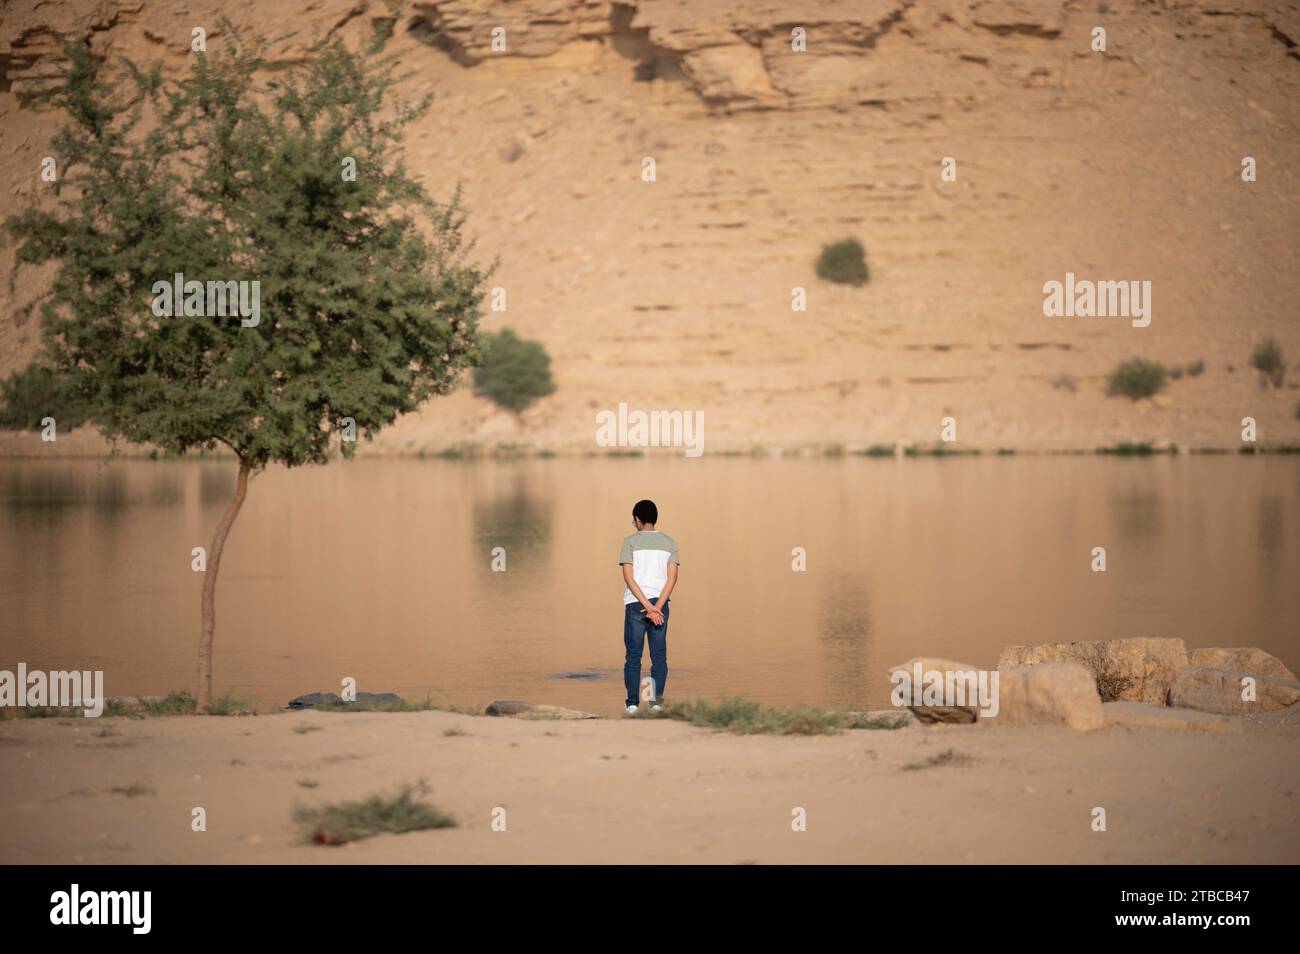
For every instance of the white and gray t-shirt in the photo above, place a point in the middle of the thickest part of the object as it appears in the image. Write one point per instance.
(649, 552)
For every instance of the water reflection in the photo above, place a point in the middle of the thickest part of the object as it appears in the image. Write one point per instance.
(381, 570)
(1271, 526)
(845, 634)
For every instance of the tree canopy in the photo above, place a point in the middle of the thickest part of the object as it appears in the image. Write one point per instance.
(368, 303)
(244, 262)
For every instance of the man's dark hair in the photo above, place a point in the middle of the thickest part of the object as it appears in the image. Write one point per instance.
(646, 511)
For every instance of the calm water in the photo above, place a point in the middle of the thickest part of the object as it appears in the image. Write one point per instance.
(381, 570)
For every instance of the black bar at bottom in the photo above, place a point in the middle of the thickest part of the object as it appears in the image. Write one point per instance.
(328, 904)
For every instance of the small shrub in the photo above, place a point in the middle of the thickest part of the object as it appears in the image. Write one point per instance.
(1127, 449)
(229, 705)
(174, 703)
(878, 450)
(343, 822)
(844, 263)
(946, 757)
(871, 720)
(1196, 368)
(41, 712)
(513, 372)
(744, 717)
(1176, 372)
(1267, 360)
(386, 705)
(1111, 685)
(1137, 378)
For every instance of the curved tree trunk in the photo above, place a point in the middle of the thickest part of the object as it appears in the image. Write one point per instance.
(210, 585)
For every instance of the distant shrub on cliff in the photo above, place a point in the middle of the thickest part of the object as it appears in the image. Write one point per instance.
(844, 263)
(1267, 360)
(1137, 378)
(513, 372)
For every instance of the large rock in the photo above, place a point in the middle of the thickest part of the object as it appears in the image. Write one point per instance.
(1132, 670)
(1054, 693)
(1245, 659)
(964, 713)
(1220, 690)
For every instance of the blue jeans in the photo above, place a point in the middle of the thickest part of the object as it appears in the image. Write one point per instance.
(636, 629)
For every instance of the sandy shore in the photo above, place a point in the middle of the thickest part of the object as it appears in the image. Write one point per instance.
(645, 791)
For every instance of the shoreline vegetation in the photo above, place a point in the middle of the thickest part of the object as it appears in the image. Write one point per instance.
(480, 452)
(1050, 683)
(734, 714)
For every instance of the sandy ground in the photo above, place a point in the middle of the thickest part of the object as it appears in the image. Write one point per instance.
(636, 792)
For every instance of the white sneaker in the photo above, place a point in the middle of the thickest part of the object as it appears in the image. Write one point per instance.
(657, 708)
(631, 710)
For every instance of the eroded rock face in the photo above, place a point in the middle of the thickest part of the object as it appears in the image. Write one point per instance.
(1052, 693)
(1245, 659)
(32, 34)
(1134, 670)
(734, 54)
(534, 28)
(1220, 690)
(546, 135)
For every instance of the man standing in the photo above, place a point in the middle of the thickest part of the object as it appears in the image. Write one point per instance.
(649, 563)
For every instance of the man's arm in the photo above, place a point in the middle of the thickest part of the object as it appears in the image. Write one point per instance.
(656, 617)
(667, 590)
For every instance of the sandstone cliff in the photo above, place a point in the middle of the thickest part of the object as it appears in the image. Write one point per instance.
(1122, 164)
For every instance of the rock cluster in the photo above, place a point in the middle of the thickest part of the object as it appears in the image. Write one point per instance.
(1140, 682)
(1129, 670)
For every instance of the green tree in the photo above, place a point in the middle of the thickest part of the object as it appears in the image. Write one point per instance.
(368, 302)
(514, 372)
